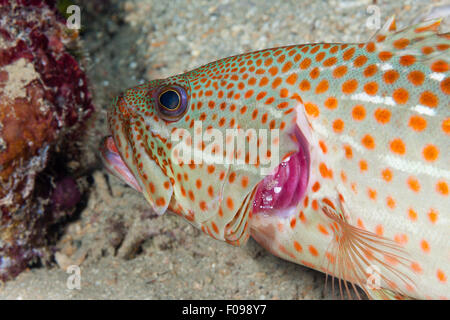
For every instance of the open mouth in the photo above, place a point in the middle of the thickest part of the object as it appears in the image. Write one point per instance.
(115, 165)
(280, 192)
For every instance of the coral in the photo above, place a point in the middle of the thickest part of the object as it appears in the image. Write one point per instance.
(44, 106)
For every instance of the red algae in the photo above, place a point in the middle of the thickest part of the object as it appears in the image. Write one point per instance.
(44, 106)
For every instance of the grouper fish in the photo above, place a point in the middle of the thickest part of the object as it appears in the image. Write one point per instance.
(333, 156)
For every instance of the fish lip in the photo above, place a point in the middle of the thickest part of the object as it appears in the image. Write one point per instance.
(114, 163)
(279, 193)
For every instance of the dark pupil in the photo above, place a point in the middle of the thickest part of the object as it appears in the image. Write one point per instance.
(169, 99)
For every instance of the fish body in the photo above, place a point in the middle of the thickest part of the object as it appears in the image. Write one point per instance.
(352, 166)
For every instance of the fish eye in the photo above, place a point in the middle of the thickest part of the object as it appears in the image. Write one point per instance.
(169, 99)
(171, 102)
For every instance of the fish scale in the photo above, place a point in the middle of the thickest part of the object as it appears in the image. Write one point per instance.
(374, 120)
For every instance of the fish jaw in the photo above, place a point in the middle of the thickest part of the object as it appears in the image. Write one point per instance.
(115, 165)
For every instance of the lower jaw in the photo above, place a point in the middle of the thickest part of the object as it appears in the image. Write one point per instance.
(279, 193)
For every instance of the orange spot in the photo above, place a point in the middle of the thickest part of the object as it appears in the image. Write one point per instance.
(427, 50)
(360, 61)
(446, 125)
(284, 93)
(343, 177)
(368, 142)
(433, 215)
(383, 116)
(320, 56)
(276, 82)
(379, 230)
(400, 96)
(363, 165)
(311, 109)
(331, 103)
(297, 246)
(401, 43)
(322, 229)
(160, 202)
(324, 171)
(305, 63)
(416, 267)
(359, 113)
(416, 77)
(349, 86)
(323, 146)
(370, 70)
(340, 71)
(314, 205)
(439, 66)
(292, 79)
(412, 214)
(273, 71)
(390, 202)
(287, 66)
(304, 85)
(264, 81)
(329, 62)
(407, 60)
(397, 146)
(370, 47)
(348, 54)
(302, 217)
(244, 182)
(214, 226)
(338, 125)
(445, 86)
(348, 152)
(429, 99)
(322, 86)
(401, 238)
(293, 222)
(425, 246)
(430, 153)
(442, 188)
(313, 251)
(372, 193)
(441, 276)
(316, 187)
(230, 204)
(390, 76)
(371, 88)
(413, 184)
(417, 123)
(385, 55)
(152, 187)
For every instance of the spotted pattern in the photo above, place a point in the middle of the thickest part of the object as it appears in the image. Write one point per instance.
(376, 117)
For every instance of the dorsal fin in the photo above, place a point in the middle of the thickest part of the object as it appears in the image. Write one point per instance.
(420, 40)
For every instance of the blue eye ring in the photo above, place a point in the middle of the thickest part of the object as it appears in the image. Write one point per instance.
(175, 112)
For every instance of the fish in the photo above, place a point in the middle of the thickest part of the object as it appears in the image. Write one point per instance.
(334, 156)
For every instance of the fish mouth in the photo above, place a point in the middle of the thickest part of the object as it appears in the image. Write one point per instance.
(114, 163)
(279, 193)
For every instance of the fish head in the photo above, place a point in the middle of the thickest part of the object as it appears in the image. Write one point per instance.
(208, 149)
